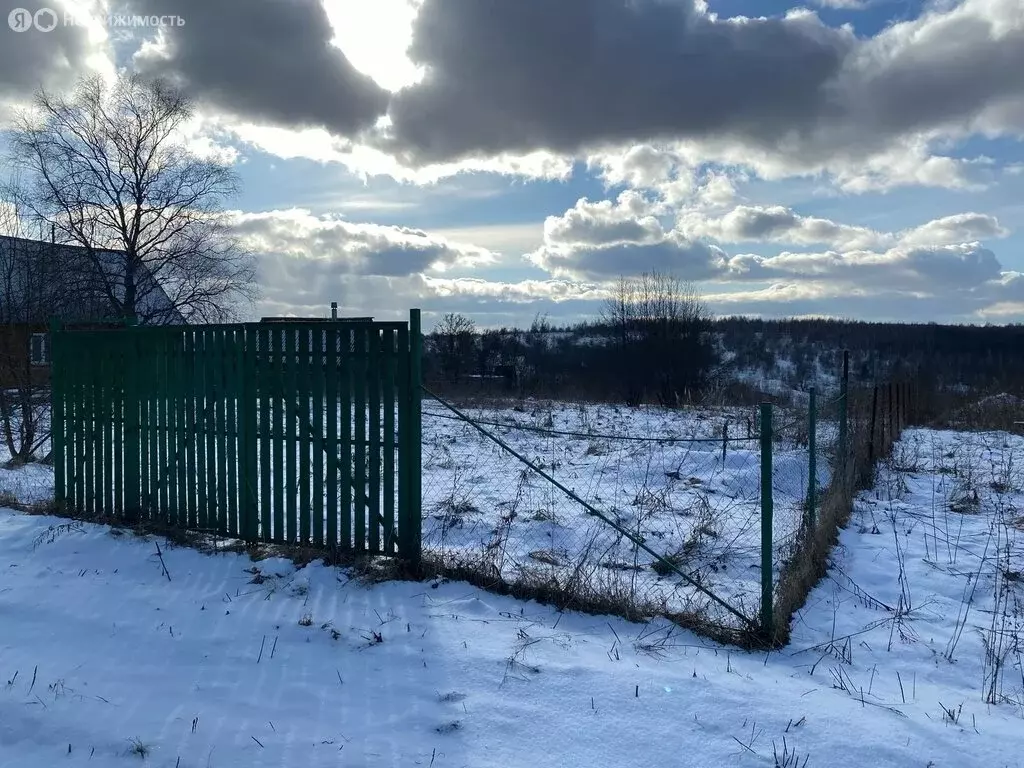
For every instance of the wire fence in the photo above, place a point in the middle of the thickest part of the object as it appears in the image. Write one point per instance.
(719, 518)
(716, 518)
(638, 495)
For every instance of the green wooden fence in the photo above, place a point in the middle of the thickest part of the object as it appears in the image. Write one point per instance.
(304, 432)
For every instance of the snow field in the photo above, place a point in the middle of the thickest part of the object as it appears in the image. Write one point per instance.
(105, 661)
(484, 507)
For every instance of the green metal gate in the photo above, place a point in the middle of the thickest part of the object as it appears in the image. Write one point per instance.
(304, 432)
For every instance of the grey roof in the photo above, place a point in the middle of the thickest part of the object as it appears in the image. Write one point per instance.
(41, 280)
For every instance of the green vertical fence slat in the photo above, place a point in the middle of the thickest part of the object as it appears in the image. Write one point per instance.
(373, 368)
(278, 357)
(158, 465)
(96, 425)
(143, 386)
(148, 394)
(89, 438)
(81, 419)
(191, 439)
(64, 420)
(132, 468)
(249, 441)
(73, 427)
(359, 376)
(388, 434)
(154, 394)
(220, 404)
(766, 519)
(205, 461)
(210, 426)
(331, 418)
(261, 375)
(168, 440)
(181, 426)
(318, 453)
(117, 356)
(345, 475)
(233, 431)
(110, 373)
(58, 414)
(151, 394)
(415, 445)
(291, 347)
(301, 399)
(404, 434)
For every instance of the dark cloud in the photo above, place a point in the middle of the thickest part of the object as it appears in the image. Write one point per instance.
(266, 60)
(565, 75)
(32, 59)
(933, 270)
(297, 250)
(688, 260)
(562, 75)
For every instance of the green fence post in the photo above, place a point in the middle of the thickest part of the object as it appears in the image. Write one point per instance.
(415, 445)
(844, 415)
(812, 457)
(766, 519)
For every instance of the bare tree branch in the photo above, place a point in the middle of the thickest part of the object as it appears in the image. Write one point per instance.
(105, 170)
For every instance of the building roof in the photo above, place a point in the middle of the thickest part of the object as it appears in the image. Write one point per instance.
(41, 280)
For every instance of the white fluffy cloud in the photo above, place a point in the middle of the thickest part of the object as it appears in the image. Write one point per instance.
(777, 224)
(297, 247)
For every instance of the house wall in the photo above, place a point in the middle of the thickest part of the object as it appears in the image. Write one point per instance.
(15, 368)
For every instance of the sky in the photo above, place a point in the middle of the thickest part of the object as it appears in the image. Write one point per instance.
(504, 159)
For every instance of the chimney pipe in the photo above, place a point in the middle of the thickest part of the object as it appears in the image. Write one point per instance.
(334, 310)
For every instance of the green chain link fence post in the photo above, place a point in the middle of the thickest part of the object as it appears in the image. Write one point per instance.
(844, 412)
(812, 457)
(766, 519)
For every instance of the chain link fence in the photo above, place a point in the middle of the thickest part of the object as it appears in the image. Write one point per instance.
(636, 511)
(708, 516)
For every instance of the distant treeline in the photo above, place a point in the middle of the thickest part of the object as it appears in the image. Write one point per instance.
(685, 358)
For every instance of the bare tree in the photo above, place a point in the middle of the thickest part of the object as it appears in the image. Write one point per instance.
(661, 328)
(29, 285)
(104, 169)
(454, 338)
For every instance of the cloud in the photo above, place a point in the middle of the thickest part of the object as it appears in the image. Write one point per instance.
(297, 249)
(601, 240)
(954, 229)
(564, 76)
(267, 61)
(605, 223)
(490, 303)
(578, 74)
(927, 270)
(997, 300)
(845, 5)
(53, 60)
(777, 224)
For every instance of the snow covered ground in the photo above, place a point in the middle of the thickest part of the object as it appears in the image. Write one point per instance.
(687, 500)
(110, 655)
